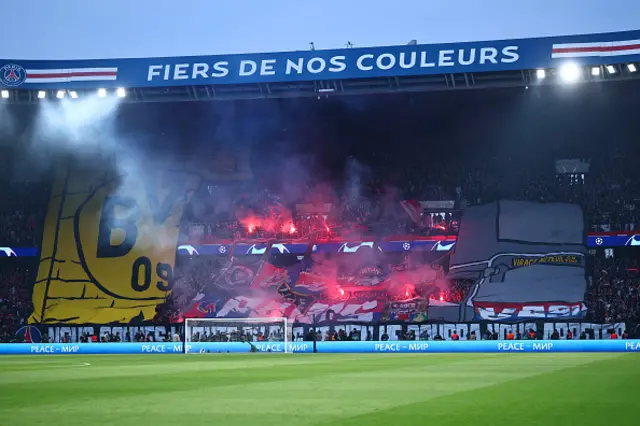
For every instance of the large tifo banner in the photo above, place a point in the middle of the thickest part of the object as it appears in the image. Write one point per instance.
(343, 283)
(527, 260)
(489, 346)
(109, 243)
(109, 256)
(109, 250)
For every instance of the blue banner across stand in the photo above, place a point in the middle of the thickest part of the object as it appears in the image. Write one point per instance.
(404, 346)
(355, 63)
(611, 239)
(18, 251)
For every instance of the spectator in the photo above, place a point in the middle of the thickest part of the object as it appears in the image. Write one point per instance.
(15, 297)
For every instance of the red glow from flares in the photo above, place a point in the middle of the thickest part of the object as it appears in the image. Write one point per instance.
(441, 298)
(292, 229)
(340, 291)
(274, 220)
(409, 291)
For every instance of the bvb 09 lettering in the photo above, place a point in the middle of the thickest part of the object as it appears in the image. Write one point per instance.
(142, 267)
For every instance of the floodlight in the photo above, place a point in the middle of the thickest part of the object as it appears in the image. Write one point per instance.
(541, 74)
(632, 67)
(42, 94)
(102, 93)
(595, 71)
(60, 94)
(121, 92)
(73, 94)
(611, 69)
(569, 72)
(4, 94)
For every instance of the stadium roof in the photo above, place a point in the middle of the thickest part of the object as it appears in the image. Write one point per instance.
(411, 67)
(159, 28)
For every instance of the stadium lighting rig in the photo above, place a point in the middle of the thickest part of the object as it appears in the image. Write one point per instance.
(565, 73)
(573, 72)
(570, 72)
(41, 94)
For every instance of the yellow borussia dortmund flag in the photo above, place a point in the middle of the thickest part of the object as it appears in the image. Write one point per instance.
(109, 243)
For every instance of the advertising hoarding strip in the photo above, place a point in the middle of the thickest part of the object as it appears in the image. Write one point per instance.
(486, 346)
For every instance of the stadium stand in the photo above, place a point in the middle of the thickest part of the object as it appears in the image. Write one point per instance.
(612, 294)
(608, 203)
(385, 203)
(607, 198)
(15, 297)
(22, 210)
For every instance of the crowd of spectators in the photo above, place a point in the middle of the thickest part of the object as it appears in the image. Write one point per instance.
(608, 198)
(275, 335)
(612, 293)
(263, 215)
(22, 206)
(110, 337)
(457, 290)
(608, 194)
(15, 298)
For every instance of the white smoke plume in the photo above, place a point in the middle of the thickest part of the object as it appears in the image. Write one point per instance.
(85, 130)
(7, 123)
(83, 127)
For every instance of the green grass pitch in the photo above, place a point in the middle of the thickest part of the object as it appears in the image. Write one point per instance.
(314, 389)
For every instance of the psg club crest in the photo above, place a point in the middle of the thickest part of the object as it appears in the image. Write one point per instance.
(30, 334)
(12, 75)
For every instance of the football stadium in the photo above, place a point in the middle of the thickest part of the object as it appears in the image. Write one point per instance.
(322, 229)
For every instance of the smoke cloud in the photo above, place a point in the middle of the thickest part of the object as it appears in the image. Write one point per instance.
(86, 131)
(7, 124)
